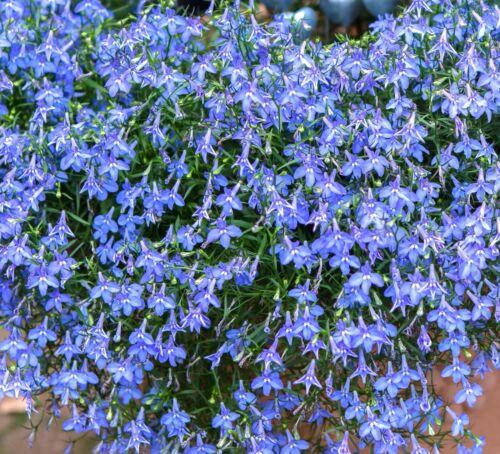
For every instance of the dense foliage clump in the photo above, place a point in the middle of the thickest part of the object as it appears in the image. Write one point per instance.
(216, 238)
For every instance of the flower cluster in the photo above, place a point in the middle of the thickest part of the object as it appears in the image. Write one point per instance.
(214, 236)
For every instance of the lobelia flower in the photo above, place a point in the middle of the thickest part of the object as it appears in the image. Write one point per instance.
(294, 446)
(244, 398)
(303, 294)
(365, 278)
(266, 381)
(42, 278)
(42, 334)
(469, 393)
(373, 426)
(224, 420)
(459, 422)
(229, 201)
(424, 341)
(362, 370)
(175, 420)
(223, 233)
(309, 378)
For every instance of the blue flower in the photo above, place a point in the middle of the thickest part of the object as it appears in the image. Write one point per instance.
(373, 426)
(161, 302)
(266, 381)
(104, 289)
(223, 233)
(459, 422)
(306, 325)
(469, 393)
(175, 420)
(362, 370)
(224, 420)
(365, 278)
(188, 237)
(294, 446)
(42, 334)
(244, 398)
(293, 251)
(42, 278)
(309, 378)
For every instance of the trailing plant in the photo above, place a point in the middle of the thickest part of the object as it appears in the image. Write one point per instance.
(217, 238)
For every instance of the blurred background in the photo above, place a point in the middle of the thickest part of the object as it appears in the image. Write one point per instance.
(313, 18)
